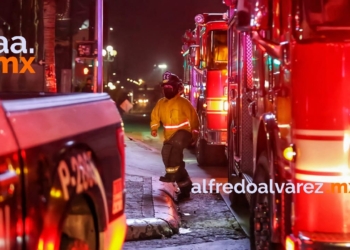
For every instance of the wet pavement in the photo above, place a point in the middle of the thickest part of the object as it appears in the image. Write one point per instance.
(204, 219)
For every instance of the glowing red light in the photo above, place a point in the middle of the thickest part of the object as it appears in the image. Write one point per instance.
(11, 189)
(23, 154)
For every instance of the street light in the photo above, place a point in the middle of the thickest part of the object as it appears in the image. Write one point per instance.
(110, 53)
(111, 86)
(162, 66)
(109, 48)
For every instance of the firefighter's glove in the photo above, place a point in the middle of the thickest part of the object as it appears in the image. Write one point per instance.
(154, 133)
(195, 134)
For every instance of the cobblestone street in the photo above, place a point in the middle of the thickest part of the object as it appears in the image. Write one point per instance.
(204, 218)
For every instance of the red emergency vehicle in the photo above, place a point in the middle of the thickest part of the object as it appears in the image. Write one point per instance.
(290, 121)
(62, 168)
(205, 78)
(62, 162)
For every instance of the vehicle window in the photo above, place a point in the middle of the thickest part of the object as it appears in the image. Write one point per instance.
(327, 12)
(256, 69)
(322, 20)
(233, 56)
(217, 51)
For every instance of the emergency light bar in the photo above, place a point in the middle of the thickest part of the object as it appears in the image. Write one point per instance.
(199, 19)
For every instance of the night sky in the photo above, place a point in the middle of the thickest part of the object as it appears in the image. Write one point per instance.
(148, 32)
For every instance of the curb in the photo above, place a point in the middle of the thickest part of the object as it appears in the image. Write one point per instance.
(164, 203)
(143, 145)
(166, 221)
(147, 228)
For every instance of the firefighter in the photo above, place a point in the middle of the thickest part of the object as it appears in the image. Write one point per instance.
(181, 125)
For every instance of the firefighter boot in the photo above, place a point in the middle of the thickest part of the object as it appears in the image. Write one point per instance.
(185, 193)
(168, 178)
(185, 185)
(171, 174)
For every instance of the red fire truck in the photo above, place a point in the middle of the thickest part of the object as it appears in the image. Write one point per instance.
(61, 172)
(290, 119)
(205, 78)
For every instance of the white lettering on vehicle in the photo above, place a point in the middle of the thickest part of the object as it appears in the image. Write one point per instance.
(78, 177)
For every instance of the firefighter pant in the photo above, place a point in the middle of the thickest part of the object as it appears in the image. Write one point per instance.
(172, 154)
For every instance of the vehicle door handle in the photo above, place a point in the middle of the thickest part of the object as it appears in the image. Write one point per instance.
(233, 94)
(252, 109)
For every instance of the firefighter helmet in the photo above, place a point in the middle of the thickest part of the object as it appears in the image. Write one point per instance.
(170, 78)
(173, 81)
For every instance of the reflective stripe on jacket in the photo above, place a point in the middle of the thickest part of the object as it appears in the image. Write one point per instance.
(175, 114)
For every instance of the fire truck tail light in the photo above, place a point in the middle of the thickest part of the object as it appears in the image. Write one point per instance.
(117, 231)
(205, 105)
(289, 153)
(225, 105)
(292, 243)
(45, 245)
(41, 244)
(289, 244)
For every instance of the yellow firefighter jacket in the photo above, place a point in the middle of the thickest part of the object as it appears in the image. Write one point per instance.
(175, 114)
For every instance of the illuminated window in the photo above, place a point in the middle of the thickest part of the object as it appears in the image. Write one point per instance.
(217, 51)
